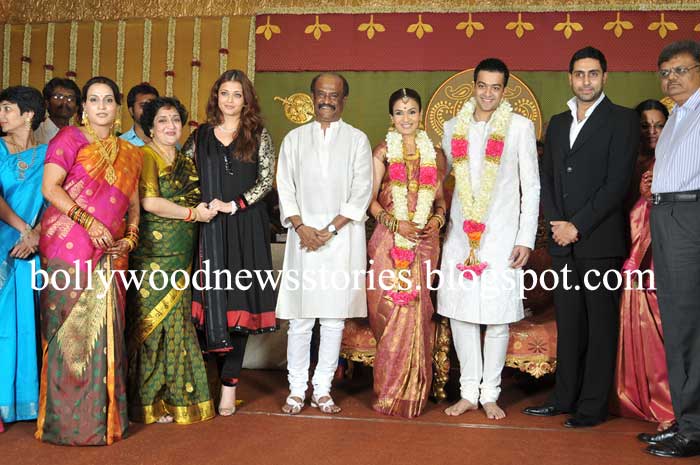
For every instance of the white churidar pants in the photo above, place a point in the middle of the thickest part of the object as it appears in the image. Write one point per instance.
(480, 378)
(298, 355)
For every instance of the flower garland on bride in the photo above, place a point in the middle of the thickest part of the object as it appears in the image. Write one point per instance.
(402, 252)
(475, 207)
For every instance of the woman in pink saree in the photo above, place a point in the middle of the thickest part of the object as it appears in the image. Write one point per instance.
(642, 377)
(409, 207)
(91, 181)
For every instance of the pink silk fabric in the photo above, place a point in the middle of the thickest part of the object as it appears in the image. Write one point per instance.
(641, 379)
(61, 238)
(405, 336)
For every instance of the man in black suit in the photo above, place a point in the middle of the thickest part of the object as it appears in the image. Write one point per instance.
(589, 157)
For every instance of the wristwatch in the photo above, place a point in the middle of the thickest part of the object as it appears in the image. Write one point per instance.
(331, 229)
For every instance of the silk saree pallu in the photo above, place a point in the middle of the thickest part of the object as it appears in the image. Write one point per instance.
(166, 375)
(82, 399)
(641, 377)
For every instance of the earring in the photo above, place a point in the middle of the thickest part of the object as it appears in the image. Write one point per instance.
(28, 123)
(421, 126)
(84, 120)
(391, 125)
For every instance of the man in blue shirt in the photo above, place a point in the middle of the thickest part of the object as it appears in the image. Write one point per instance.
(138, 96)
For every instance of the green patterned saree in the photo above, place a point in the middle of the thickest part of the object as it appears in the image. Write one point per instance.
(166, 370)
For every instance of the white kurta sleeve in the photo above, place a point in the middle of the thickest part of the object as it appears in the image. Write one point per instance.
(286, 185)
(530, 187)
(360, 192)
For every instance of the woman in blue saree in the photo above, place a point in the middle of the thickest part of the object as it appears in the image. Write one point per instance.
(21, 204)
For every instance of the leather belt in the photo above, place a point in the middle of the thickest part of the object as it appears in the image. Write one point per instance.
(689, 196)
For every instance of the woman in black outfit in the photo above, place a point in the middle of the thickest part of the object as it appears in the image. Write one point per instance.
(235, 160)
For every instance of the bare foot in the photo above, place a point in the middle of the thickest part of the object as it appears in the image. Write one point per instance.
(165, 419)
(227, 403)
(664, 425)
(463, 405)
(493, 411)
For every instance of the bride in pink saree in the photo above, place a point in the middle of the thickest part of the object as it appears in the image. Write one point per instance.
(409, 207)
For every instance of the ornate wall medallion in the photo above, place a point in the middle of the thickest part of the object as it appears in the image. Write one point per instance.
(298, 108)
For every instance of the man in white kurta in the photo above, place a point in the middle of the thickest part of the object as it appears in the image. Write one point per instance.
(324, 181)
(494, 298)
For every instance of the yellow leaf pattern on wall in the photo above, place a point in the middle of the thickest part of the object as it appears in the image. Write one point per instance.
(568, 27)
(470, 26)
(419, 28)
(317, 29)
(371, 27)
(520, 26)
(618, 26)
(663, 26)
(268, 29)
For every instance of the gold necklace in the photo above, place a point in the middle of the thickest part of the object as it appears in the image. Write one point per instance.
(161, 152)
(108, 148)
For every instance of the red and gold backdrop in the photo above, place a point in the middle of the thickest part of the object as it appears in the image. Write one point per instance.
(527, 41)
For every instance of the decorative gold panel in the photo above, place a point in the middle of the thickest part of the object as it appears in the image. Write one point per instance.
(298, 108)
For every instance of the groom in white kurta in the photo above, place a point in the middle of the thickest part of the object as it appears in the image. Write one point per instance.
(492, 299)
(324, 181)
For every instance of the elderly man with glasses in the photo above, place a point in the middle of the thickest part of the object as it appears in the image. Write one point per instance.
(675, 231)
(62, 102)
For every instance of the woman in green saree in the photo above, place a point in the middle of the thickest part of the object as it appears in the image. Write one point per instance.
(167, 379)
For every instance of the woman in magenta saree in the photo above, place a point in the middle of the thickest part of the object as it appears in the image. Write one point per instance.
(642, 377)
(91, 180)
(409, 207)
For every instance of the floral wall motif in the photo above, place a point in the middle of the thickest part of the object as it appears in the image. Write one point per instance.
(527, 41)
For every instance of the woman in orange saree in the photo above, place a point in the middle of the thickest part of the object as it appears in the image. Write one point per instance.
(91, 180)
(641, 378)
(409, 207)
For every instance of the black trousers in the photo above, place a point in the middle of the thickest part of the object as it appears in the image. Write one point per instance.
(587, 325)
(675, 232)
(230, 364)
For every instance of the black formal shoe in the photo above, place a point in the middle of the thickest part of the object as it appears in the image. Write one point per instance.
(655, 438)
(675, 446)
(546, 410)
(581, 422)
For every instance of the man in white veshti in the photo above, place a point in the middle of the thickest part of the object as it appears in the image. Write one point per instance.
(494, 156)
(324, 181)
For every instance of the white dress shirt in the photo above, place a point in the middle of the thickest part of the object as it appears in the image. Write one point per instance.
(577, 125)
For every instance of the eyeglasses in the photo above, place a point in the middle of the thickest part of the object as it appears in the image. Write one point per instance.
(677, 70)
(61, 97)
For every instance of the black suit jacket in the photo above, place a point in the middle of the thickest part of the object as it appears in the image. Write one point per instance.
(587, 183)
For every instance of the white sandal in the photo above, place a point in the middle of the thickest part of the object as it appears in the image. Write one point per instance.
(327, 406)
(294, 405)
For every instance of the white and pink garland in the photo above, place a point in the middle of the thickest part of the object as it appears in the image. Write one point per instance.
(474, 208)
(402, 252)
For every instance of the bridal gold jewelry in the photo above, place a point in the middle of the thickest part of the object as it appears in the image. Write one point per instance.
(108, 148)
